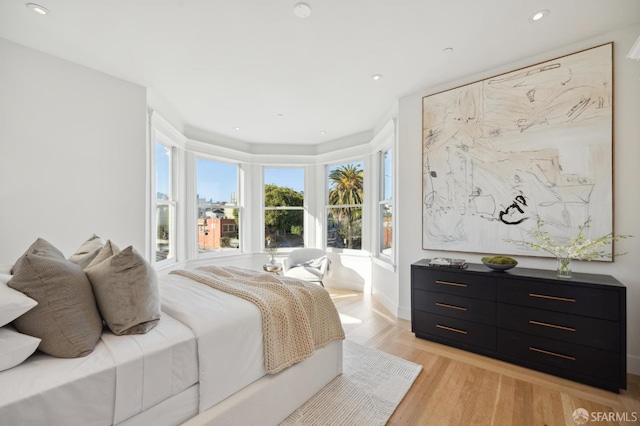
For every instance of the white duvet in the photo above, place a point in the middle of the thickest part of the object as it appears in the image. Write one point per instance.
(229, 333)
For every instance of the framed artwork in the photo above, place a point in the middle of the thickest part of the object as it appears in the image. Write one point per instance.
(532, 143)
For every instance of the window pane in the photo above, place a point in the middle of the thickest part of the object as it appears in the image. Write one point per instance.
(218, 233)
(218, 212)
(387, 173)
(283, 202)
(344, 227)
(284, 228)
(280, 196)
(291, 179)
(163, 172)
(386, 230)
(346, 184)
(164, 232)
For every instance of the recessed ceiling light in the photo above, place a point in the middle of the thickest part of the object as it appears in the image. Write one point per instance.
(376, 77)
(280, 115)
(36, 8)
(323, 132)
(539, 15)
(237, 128)
(302, 10)
(447, 49)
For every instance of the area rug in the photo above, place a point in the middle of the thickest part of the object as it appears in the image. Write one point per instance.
(370, 388)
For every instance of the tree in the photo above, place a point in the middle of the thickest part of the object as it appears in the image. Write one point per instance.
(346, 188)
(282, 220)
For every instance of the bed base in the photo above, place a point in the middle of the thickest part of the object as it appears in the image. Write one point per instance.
(269, 400)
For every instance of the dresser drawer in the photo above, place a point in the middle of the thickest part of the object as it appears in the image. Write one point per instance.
(477, 310)
(453, 282)
(560, 356)
(454, 329)
(597, 333)
(567, 298)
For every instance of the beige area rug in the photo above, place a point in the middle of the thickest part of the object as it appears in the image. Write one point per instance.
(370, 388)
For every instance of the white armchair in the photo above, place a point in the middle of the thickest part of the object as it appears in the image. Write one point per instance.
(309, 264)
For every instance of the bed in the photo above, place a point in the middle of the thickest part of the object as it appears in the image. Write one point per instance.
(203, 363)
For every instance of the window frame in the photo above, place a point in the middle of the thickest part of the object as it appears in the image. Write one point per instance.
(159, 138)
(382, 202)
(363, 207)
(303, 208)
(238, 205)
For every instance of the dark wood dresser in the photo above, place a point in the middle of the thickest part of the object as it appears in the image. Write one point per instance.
(573, 328)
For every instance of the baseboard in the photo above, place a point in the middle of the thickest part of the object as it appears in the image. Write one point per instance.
(386, 302)
(633, 364)
(404, 313)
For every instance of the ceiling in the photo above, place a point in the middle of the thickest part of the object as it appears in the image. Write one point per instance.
(252, 71)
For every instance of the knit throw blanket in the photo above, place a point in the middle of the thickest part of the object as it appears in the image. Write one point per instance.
(297, 317)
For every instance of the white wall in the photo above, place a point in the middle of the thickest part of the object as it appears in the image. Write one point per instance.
(627, 195)
(72, 154)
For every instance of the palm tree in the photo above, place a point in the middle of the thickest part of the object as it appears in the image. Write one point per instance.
(345, 190)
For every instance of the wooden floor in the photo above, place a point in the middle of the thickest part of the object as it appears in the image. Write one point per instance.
(459, 388)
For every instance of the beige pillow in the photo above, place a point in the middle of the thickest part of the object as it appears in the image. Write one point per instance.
(87, 251)
(40, 247)
(66, 317)
(108, 250)
(126, 289)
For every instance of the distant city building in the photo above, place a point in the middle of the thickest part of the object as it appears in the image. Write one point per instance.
(216, 233)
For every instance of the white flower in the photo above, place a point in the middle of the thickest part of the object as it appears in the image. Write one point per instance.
(578, 247)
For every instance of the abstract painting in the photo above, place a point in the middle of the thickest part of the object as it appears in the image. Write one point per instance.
(502, 152)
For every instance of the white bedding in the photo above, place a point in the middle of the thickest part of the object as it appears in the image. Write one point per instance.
(229, 331)
(146, 369)
(207, 345)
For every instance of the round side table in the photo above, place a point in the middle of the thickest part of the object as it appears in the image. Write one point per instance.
(272, 267)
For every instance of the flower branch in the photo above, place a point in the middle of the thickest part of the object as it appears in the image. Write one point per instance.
(578, 247)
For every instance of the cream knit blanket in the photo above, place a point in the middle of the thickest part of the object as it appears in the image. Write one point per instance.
(297, 317)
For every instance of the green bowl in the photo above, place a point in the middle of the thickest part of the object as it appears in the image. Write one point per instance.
(499, 266)
(505, 262)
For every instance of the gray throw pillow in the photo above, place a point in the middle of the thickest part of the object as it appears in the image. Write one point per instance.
(108, 250)
(87, 251)
(66, 317)
(41, 247)
(126, 289)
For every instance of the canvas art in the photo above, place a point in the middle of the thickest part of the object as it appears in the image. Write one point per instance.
(503, 151)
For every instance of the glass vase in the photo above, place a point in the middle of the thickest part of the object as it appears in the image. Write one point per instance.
(564, 267)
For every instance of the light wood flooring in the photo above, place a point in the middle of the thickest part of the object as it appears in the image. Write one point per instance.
(459, 388)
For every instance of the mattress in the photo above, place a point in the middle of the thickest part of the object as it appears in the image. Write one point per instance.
(122, 377)
(229, 333)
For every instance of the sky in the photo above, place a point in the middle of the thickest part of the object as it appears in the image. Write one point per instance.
(289, 178)
(215, 180)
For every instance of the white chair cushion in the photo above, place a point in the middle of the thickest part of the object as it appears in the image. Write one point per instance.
(304, 273)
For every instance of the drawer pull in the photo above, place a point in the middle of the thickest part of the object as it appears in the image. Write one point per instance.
(455, 330)
(450, 283)
(542, 351)
(444, 305)
(546, 324)
(543, 296)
